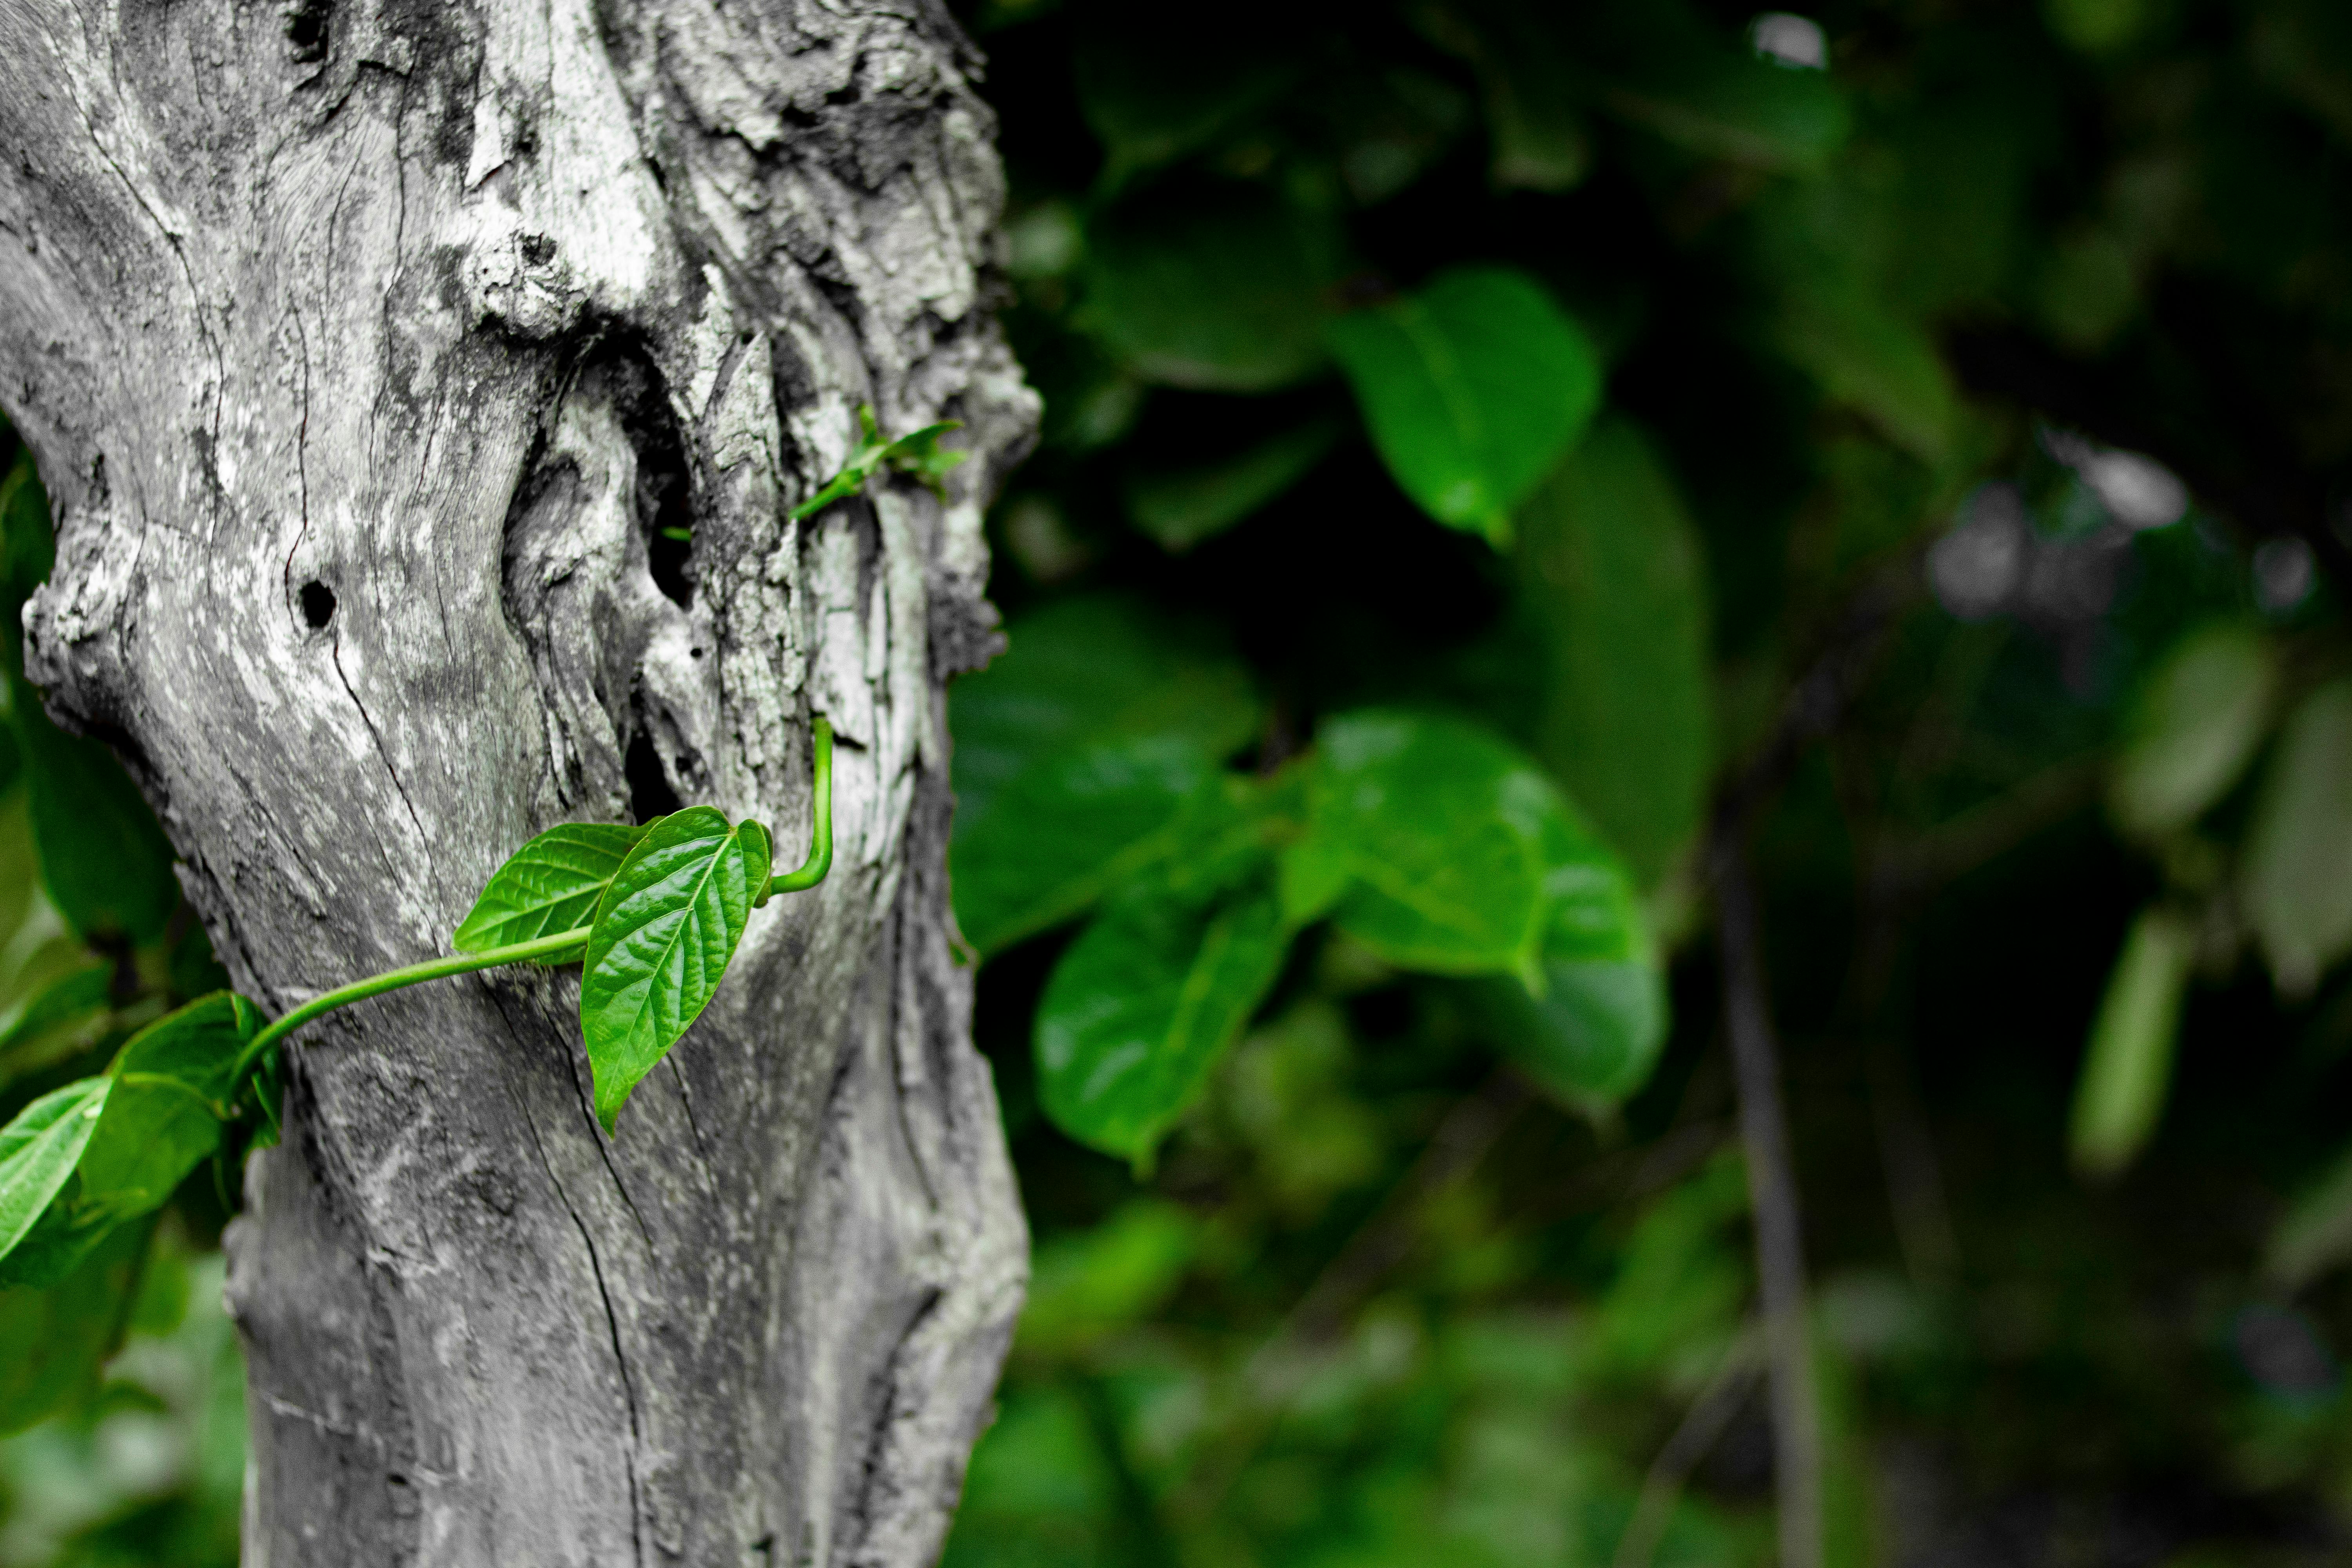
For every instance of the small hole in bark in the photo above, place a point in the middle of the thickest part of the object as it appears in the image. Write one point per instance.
(306, 31)
(318, 604)
(537, 251)
(650, 792)
(694, 653)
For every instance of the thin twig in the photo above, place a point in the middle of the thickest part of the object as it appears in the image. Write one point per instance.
(1772, 1194)
(1701, 1424)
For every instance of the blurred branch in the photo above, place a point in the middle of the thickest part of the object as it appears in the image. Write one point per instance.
(1772, 1189)
(1817, 704)
(1701, 1424)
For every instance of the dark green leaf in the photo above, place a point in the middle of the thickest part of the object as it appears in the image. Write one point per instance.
(1144, 1005)
(1472, 388)
(1156, 84)
(1179, 510)
(1088, 670)
(2128, 1068)
(38, 1151)
(28, 543)
(2192, 728)
(664, 932)
(1659, 65)
(1443, 832)
(1060, 836)
(551, 884)
(2297, 865)
(1610, 568)
(1222, 288)
(1526, 64)
(104, 861)
(54, 1339)
(66, 1014)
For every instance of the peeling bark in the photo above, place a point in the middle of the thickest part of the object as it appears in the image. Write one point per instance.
(367, 348)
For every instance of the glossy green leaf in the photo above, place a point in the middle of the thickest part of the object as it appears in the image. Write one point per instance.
(162, 1117)
(38, 1151)
(1062, 834)
(55, 1340)
(664, 932)
(1091, 668)
(1445, 835)
(551, 884)
(1610, 573)
(2128, 1069)
(1144, 1004)
(1181, 509)
(171, 1092)
(2297, 862)
(2191, 729)
(1865, 356)
(1472, 388)
(1589, 1021)
(1220, 288)
(104, 861)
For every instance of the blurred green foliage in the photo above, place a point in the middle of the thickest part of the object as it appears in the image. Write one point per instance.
(1474, 432)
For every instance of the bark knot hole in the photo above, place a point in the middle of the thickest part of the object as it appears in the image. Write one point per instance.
(306, 31)
(317, 604)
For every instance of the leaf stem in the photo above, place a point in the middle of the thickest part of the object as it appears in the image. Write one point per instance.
(558, 944)
(820, 854)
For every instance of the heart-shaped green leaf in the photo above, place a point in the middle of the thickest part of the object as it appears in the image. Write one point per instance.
(551, 884)
(1145, 1002)
(665, 929)
(39, 1150)
(1472, 388)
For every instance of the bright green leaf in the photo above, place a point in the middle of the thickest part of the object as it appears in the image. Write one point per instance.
(1220, 288)
(664, 931)
(551, 884)
(39, 1151)
(1087, 669)
(1179, 510)
(1065, 833)
(104, 861)
(2297, 866)
(164, 1115)
(1472, 389)
(2191, 729)
(1144, 1004)
(1445, 832)
(2125, 1075)
(1610, 571)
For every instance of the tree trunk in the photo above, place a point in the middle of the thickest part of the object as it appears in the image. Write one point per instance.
(367, 348)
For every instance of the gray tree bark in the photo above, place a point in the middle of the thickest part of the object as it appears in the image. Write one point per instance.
(366, 347)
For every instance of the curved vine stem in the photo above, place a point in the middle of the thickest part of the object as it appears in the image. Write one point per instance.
(560, 947)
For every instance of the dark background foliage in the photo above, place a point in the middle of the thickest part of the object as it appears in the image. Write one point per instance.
(1973, 424)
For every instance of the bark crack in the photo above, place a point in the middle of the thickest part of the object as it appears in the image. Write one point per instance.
(612, 1315)
(383, 753)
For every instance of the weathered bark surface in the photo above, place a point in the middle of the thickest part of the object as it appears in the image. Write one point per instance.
(443, 309)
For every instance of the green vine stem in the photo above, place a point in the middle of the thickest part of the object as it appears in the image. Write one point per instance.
(559, 947)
